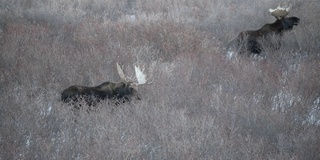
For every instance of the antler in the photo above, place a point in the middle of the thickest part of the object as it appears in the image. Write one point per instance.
(121, 74)
(141, 77)
(280, 12)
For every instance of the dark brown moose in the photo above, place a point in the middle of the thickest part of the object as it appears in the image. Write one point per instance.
(254, 41)
(119, 91)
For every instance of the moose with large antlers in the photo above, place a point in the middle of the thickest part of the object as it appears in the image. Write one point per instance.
(120, 91)
(253, 41)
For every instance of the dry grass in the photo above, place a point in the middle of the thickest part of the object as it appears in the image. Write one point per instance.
(201, 104)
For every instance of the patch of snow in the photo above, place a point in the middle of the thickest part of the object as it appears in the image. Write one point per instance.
(313, 117)
(230, 54)
(28, 141)
(284, 100)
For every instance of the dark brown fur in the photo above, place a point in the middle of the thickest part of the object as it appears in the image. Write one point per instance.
(251, 40)
(121, 92)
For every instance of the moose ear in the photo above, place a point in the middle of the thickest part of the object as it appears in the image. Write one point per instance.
(123, 84)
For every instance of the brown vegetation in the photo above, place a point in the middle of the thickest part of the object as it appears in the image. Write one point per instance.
(202, 104)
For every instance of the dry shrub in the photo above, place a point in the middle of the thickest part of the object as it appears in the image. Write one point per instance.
(201, 105)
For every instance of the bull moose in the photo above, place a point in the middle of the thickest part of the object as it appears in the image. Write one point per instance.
(119, 91)
(254, 41)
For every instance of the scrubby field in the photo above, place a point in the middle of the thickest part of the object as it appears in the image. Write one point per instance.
(202, 103)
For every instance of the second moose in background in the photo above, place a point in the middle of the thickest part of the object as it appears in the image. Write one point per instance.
(253, 41)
